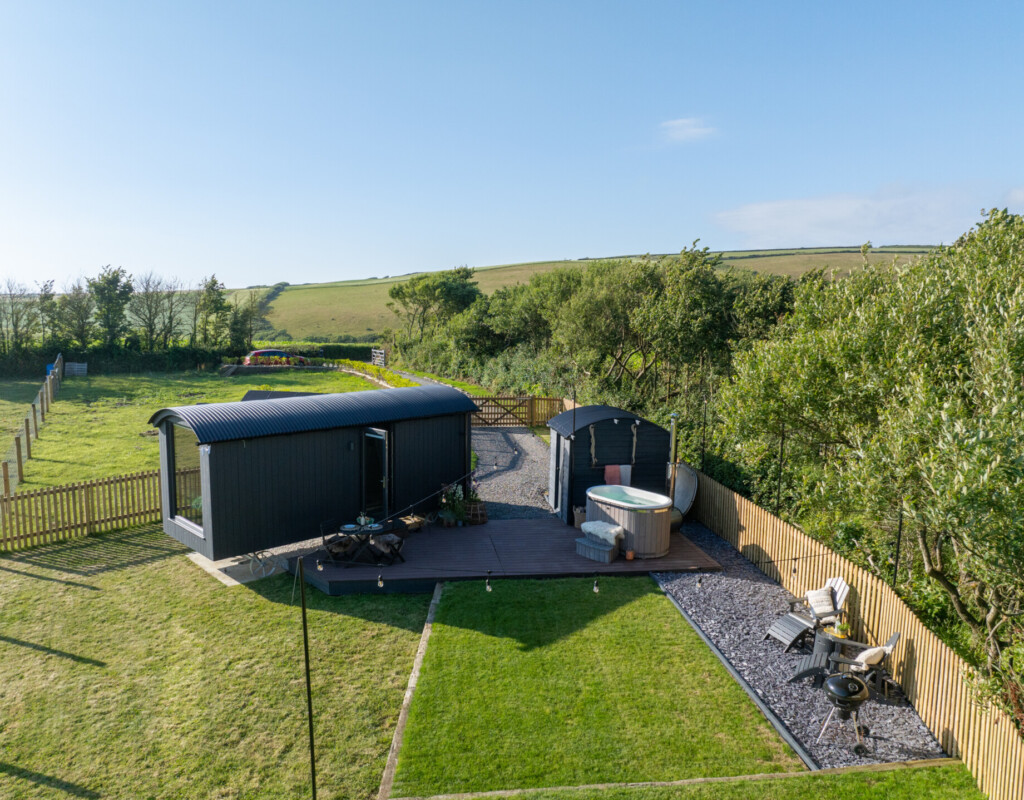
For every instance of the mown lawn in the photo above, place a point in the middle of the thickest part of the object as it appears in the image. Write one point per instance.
(545, 683)
(925, 783)
(16, 398)
(130, 673)
(99, 425)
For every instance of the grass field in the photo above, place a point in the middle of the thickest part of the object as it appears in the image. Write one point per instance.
(16, 398)
(924, 783)
(130, 673)
(360, 307)
(545, 683)
(99, 425)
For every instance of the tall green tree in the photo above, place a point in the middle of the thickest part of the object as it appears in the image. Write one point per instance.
(47, 309)
(213, 313)
(901, 393)
(75, 308)
(430, 300)
(111, 291)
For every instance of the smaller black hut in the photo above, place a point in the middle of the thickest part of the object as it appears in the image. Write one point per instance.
(241, 477)
(586, 440)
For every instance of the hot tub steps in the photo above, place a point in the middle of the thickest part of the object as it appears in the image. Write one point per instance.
(601, 552)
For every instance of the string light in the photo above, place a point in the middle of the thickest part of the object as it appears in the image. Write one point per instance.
(794, 566)
(596, 589)
(700, 580)
(380, 581)
(319, 565)
(487, 584)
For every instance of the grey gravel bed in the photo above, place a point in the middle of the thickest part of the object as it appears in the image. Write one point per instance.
(512, 472)
(734, 608)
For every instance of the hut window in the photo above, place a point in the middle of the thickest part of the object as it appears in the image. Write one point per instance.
(187, 489)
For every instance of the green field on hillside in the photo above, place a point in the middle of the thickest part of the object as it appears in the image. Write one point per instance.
(360, 307)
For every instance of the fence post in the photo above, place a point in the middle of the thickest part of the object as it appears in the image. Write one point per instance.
(17, 453)
(35, 419)
(7, 478)
(87, 492)
(28, 441)
(42, 404)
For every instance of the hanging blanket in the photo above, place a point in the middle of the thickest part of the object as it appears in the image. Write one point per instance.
(612, 475)
(626, 474)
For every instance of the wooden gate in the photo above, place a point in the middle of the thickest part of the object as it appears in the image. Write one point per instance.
(515, 412)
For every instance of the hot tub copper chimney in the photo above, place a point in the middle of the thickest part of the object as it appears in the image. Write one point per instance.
(672, 459)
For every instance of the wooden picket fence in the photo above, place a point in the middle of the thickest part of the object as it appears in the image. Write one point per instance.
(931, 674)
(515, 411)
(44, 516)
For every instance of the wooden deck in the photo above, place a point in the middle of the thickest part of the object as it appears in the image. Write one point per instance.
(521, 548)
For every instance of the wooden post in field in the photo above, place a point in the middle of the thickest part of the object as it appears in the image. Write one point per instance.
(28, 441)
(42, 404)
(7, 478)
(35, 420)
(17, 453)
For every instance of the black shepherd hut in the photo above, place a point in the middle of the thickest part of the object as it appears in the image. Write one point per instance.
(586, 441)
(242, 477)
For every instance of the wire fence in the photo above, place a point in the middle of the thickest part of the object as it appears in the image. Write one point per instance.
(24, 429)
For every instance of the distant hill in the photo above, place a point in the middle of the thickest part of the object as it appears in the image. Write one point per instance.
(360, 307)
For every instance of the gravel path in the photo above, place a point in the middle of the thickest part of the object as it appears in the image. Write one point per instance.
(512, 470)
(734, 608)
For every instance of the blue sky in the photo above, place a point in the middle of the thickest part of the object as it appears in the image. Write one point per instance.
(328, 141)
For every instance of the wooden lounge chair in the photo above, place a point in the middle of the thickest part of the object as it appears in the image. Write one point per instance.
(871, 663)
(824, 606)
(816, 664)
(791, 630)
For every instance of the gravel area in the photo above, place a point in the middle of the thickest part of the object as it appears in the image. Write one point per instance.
(512, 470)
(734, 608)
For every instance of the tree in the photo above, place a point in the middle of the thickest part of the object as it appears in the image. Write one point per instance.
(212, 313)
(901, 392)
(75, 315)
(111, 291)
(17, 317)
(146, 309)
(432, 299)
(46, 308)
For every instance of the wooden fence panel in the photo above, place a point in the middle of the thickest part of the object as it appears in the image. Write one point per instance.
(56, 513)
(931, 674)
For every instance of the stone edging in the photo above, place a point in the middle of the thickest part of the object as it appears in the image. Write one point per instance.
(388, 779)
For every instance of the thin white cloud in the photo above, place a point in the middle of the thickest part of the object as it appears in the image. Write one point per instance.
(689, 129)
(892, 215)
(1015, 200)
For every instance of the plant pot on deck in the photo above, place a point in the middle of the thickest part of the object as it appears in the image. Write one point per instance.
(476, 513)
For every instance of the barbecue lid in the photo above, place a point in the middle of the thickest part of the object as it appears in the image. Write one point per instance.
(846, 687)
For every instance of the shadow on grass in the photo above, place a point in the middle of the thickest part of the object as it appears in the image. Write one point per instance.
(538, 613)
(51, 652)
(102, 552)
(76, 584)
(40, 779)
(405, 611)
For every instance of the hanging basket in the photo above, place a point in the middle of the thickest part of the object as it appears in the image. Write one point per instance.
(476, 513)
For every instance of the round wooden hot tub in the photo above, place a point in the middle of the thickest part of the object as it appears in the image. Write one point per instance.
(644, 516)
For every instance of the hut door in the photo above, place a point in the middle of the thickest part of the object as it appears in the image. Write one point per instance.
(375, 472)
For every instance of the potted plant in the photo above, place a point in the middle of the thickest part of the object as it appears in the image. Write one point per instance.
(476, 509)
(842, 630)
(453, 501)
(447, 517)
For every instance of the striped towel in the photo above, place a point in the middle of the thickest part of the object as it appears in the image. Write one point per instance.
(626, 474)
(612, 475)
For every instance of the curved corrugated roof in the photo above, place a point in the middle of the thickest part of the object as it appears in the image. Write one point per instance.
(223, 422)
(586, 415)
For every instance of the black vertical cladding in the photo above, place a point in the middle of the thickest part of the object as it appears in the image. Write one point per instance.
(614, 445)
(276, 469)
